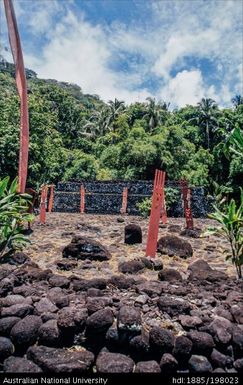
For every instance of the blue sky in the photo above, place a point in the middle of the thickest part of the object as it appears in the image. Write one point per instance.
(176, 50)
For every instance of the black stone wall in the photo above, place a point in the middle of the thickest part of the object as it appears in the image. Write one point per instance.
(105, 197)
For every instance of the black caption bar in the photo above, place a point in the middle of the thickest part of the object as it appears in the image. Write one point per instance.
(121, 379)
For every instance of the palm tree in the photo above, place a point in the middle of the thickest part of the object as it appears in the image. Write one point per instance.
(155, 112)
(237, 100)
(115, 108)
(206, 117)
(97, 123)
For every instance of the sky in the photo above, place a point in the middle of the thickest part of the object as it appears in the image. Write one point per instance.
(177, 51)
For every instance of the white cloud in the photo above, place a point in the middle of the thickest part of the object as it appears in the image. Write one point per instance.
(75, 50)
(185, 88)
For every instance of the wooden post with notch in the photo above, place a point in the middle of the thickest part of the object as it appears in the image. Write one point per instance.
(51, 198)
(186, 203)
(155, 213)
(163, 210)
(82, 199)
(44, 191)
(123, 209)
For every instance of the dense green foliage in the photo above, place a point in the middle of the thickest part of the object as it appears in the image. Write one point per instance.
(229, 216)
(171, 197)
(13, 214)
(76, 136)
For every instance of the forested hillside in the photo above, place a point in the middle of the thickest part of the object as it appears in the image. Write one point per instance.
(77, 136)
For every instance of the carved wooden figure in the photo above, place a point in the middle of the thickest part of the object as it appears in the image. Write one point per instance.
(82, 199)
(124, 201)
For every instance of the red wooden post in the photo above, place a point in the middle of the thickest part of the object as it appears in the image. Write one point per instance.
(15, 44)
(51, 198)
(123, 209)
(154, 219)
(82, 199)
(163, 211)
(186, 196)
(43, 204)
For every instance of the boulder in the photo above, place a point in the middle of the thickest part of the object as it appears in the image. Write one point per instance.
(83, 248)
(20, 365)
(6, 324)
(6, 348)
(220, 360)
(133, 234)
(168, 364)
(190, 322)
(202, 343)
(49, 333)
(161, 340)
(173, 305)
(129, 319)
(172, 245)
(200, 270)
(151, 288)
(45, 306)
(140, 344)
(100, 321)
(237, 313)
(238, 341)
(94, 304)
(80, 284)
(121, 282)
(199, 364)
(114, 363)
(18, 310)
(24, 332)
(59, 281)
(66, 265)
(14, 299)
(18, 258)
(131, 267)
(147, 367)
(71, 318)
(170, 275)
(182, 348)
(61, 360)
(221, 330)
(238, 365)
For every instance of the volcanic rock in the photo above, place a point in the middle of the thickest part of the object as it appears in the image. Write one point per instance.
(129, 318)
(121, 282)
(168, 364)
(202, 342)
(97, 303)
(59, 280)
(201, 270)
(83, 248)
(161, 340)
(133, 234)
(45, 306)
(170, 275)
(6, 324)
(172, 245)
(147, 367)
(18, 310)
(173, 305)
(24, 332)
(131, 267)
(49, 333)
(114, 363)
(100, 321)
(61, 360)
(151, 288)
(20, 365)
(182, 348)
(6, 348)
(220, 360)
(199, 364)
(190, 322)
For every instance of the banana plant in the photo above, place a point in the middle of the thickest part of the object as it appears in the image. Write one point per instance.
(13, 213)
(230, 219)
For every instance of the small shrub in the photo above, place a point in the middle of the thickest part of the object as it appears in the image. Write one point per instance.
(13, 214)
(230, 220)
